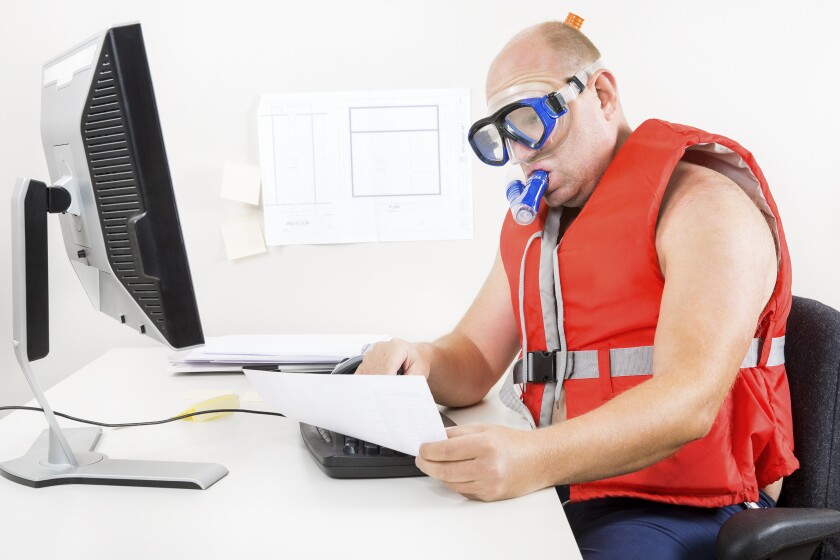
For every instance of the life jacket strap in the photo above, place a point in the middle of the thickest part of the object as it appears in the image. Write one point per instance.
(543, 367)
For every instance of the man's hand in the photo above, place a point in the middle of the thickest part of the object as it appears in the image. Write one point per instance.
(395, 356)
(484, 461)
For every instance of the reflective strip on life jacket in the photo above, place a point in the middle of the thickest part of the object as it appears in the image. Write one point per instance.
(583, 364)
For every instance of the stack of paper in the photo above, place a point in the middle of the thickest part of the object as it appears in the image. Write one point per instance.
(311, 353)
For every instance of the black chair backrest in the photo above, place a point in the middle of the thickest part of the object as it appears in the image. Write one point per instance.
(812, 358)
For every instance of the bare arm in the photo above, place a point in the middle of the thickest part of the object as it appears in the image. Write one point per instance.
(718, 259)
(464, 364)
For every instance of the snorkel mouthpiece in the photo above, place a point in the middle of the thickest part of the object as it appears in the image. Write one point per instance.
(525, 198)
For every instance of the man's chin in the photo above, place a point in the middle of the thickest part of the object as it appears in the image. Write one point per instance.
(558, 198)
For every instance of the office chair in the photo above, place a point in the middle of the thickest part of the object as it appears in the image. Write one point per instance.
(807, 516)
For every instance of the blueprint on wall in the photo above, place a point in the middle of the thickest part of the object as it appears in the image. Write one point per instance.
(347, 167)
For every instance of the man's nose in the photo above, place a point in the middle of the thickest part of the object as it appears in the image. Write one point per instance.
(520, 151)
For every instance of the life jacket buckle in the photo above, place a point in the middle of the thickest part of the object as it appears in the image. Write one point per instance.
(542, 368)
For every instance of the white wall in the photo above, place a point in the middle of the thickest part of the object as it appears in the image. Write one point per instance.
(743, 69)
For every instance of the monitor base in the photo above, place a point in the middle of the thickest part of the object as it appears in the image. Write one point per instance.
(33, 468)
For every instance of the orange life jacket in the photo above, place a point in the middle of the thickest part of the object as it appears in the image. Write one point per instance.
(588, 308)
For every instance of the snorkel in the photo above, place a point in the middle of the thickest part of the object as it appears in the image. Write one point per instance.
(524, 199)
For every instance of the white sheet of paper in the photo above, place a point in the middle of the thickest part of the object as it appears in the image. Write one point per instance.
(241, 182)
(277, 348)
(395, 411)
(347, 167)
(243, 237)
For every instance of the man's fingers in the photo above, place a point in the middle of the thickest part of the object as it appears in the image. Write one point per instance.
(381, 359)
(466, 489)
(457, 448)
(387, 367)
(449, 472)
(464, 429)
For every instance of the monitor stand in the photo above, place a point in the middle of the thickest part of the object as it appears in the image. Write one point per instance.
(66, 456)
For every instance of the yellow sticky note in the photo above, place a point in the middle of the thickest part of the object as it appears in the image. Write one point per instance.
(243, 237)
(230, 400)
(241, 183)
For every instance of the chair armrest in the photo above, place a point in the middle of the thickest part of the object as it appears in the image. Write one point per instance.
(758, 534)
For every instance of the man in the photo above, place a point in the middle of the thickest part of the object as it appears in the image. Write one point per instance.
(647, 302)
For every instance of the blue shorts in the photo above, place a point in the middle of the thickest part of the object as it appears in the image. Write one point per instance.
(631, 529)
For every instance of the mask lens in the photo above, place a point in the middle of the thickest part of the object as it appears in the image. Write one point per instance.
(488, 143)
(519, 154)
(526, 125)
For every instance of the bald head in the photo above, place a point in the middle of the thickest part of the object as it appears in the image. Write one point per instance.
(569, 43)
(546, 50)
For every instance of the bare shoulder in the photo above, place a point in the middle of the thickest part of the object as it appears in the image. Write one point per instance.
(701, 203)
(693, 188)
(707, 220)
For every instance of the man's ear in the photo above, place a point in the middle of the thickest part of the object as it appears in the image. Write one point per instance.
(607, 91)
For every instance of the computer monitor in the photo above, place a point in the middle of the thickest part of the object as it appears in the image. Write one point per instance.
(103, 143)
(110, 185)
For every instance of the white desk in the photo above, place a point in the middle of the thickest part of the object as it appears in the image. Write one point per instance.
(274, 503)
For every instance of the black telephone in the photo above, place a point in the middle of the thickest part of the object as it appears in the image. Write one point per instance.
(341, 456)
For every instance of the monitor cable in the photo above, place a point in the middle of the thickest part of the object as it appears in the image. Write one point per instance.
(152, 423)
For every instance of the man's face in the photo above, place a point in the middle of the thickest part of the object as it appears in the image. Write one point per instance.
(575, 165)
